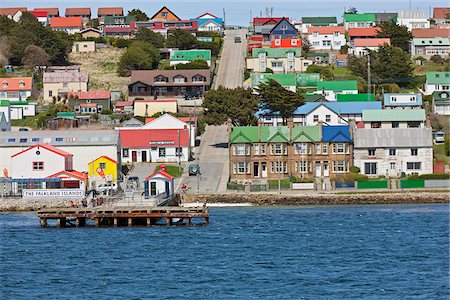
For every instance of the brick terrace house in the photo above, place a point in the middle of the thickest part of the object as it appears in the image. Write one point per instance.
(83, 12)
(169, 82)
(265, 152)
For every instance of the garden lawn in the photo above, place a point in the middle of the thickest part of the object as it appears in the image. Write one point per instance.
(172, 170)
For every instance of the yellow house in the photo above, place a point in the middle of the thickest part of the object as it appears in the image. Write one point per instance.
(102, 170)
(61, 83)
(147, 108)
(85, 46)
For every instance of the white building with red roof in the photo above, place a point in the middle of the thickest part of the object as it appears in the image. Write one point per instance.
(41, 16)
(159, 183)
(154, 145)
(15, 88)
(326, 37)
(71, 25)
(361, 47)
(13, 13)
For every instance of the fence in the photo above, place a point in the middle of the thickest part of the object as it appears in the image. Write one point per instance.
(345, 185)
(373, 184)
(443, 183)
(412, 183)
(259, 188)
(235, 186)
(303, 186)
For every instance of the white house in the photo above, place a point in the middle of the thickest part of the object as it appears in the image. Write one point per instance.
(413, 19)
(393, 118)
(21, 109)
(307, 22)
(209, 22)
(330, 89)
(402, 101)
(441, 103)
(154, 145)
(14, 13)
(160, 183)
(361, 47)
(326, 37)
(390, 152)
(437, 81)
(428, 47)
(15, 88)
(71, 25)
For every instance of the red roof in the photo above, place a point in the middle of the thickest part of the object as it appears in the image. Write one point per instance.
(326, 29)
(11, 10)
(372, 31)
(88, 105)
(146, 138)
(39, 14)
(61, 22)
(163, 173)
(72, 173)
(124, 103)
(118, 29)
(262, 21)
(105, 157)
(78, 11)
(15, 83)
(441, 12)
(47, 147)
(430, 33)
(371, 42)
(110, 11)
(184, 119)
(91, 95)
(52, 11)
(207, 13)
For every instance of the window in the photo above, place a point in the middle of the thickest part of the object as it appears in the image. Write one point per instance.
(302, 148)
(35, 140)
(178, 151)
(315, 118)
(263, 149)
(262, 55)
(318, 148)
(160, 78)
(290, 55)
(38, 165)
(283, 27)
(393, 99)
(326, 43)
(21, 84)
(414, 152)
(11, 140)
(59, 139)
(327, 118)
(340, 148)
(243, 168)
(262, 65)
(336, 33)
(413, 124)
(277, 64)
(371, 152)
(294, 42)
(23, 140)
(413, 165)
(278, 149)
(256, 149)
(277, 42)
(162, 152)
(243, 149)
(395, 124)
(278, 167)
(102, 166)
(392, 165)
(324, 148)
(315, 33)
(303, 167)
(179, 79)
(4, 84)
(198, 78)
(50, 93)
(370, 168)
(340, 166)
(392, 152)
(125, 153)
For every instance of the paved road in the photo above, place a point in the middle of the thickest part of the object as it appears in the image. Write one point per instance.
(213, 158)
(232, 61)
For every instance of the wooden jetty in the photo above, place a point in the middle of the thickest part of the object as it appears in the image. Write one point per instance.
(126, 216)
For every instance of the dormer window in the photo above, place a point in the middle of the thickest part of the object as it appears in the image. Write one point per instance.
(198, 78)
(4, 84)
(283, 27)
(294, 41)
(21, 84)
(179, 79)
(160, 78)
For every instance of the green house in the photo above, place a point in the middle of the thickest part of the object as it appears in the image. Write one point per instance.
(288, 81)
(359, 20)
(276, 52)
(187, 56)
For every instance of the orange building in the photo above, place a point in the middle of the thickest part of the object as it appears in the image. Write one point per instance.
(286, 43)
(165, 14)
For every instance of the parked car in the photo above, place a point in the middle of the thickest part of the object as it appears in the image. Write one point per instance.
(104, 187)
(237, 39)
(194, 169)
(23, 129)
(439, 137)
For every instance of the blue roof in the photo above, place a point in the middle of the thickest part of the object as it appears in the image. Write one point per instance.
(201, 21)
(406, 101)
(338, 107)
(336, 133)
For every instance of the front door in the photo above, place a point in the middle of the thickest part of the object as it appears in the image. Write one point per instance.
(153, 188)
(256, 169)
(318, 169)
(134, 156)
(167, 187)
(392, 169)
(144, 156)
(326, 171)
(264, 169)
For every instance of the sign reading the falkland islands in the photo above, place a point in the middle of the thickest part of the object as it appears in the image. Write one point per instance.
(62, 193)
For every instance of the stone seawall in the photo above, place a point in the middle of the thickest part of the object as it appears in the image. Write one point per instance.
(20, 204)
(321, 199)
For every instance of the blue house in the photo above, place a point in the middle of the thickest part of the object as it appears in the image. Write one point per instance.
(402, 101)
(283, 30)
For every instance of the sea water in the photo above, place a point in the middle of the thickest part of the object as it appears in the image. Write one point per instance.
(329, 252)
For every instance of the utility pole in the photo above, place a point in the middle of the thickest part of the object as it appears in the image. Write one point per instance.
(369, 87)
(179, 152)
(279, 168)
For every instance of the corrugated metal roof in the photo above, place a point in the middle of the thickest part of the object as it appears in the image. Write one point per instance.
(339, 107)
(438, 77)
(283, 79)
(65, 77)
(319, 21)
(355, 97)
(359, 17)
(193, 54)
(337, 85)
(276, 52)
(392, 137)
(336, 133)
(393, 115)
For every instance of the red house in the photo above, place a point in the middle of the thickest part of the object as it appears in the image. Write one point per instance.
(286, 43)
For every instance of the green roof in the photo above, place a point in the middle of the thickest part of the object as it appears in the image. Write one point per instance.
(312, 97)
(306, 134)
(109, 20)
(308, 79)
(276, 52)
(431, 42)
(343, 85)
(392, 115)
(359, 17)
(194, 54)
(441, 95)
(19, 102)
(66, 114)
(283, 79)
(5, 103)
(355, 97)
(319, 21)
(438, 77)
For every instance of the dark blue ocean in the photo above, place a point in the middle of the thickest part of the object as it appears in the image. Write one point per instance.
(335, 252)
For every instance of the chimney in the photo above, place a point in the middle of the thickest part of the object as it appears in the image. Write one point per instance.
(229, 125)
(320, 124)
(352, 125)
(428, 121)
(259, 130)
(290, 125)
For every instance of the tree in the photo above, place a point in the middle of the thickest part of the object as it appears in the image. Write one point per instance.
(238, 104)
(399, 34)
(4, 51)
(147, 35)
(180, 39)
(306, 46)
(276, 99)
(324, 72)
(139, 14)
(139, 56)
(35, 56)
(195, 64)
(351, 11)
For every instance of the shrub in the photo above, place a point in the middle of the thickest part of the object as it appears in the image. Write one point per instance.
(437, 59)
(268, 70)
(429, 176)
(354, 169)
(122, 43)
(106, 112)
(299, 180)
(350, 177)
(388, 88)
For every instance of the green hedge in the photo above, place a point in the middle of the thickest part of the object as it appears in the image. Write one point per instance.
(429, 176)
(285, 184)
(411, 184)
(373, 184)
(235, 186)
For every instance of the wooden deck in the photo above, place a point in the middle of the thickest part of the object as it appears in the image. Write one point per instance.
(126, 216)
